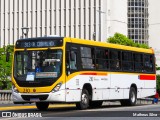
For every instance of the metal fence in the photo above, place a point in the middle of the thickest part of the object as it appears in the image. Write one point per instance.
(5, 96)
(145, 101)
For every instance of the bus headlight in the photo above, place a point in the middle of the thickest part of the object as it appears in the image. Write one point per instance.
(58, 86)
(14, 89)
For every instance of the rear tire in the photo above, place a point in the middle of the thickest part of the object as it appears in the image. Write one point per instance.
(42, 105)
(132, 98)
(84, 103)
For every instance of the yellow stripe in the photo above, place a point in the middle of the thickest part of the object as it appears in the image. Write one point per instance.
(102, 74)
(34, 107)
(110, 45)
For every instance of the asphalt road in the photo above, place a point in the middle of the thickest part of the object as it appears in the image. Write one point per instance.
(69, 112)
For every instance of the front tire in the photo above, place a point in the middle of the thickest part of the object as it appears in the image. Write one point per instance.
(84, 103)
(42, 105)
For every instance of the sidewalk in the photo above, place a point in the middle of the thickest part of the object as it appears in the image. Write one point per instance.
(145, 101)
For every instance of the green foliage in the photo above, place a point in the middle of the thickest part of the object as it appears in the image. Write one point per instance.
(5, 67)
(123, 40)
(157, 68)
(158, 83)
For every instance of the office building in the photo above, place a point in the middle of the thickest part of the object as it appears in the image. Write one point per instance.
(138, 20)
(86, 19)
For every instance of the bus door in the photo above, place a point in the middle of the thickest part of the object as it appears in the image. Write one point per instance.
(72, 60)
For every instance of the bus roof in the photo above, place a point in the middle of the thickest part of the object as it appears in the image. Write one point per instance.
(110, 45)
(42, 38)
(94, 43)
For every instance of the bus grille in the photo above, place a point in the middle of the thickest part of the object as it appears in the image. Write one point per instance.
(40, 97)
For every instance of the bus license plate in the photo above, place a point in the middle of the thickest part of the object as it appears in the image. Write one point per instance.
(34, 99)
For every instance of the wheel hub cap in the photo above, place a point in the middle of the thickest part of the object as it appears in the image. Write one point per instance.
(84, 99)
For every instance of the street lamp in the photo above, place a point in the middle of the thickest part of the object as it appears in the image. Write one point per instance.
(25, 31)
(94, 36)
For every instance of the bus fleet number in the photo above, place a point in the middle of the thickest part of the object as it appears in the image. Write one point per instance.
(26, 90)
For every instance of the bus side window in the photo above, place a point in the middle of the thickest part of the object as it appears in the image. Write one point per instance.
(115, 63)
(67, 63)
(73, 60)
(127, 61)
(67, 60)
(101, 59)
(148, 64)
(138, 65)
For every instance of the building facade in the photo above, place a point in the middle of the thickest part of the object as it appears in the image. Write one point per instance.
(86, 19)
(154, 28)
(138, 20)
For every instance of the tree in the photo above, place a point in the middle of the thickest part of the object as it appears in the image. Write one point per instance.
(5, 67)
(123, 40)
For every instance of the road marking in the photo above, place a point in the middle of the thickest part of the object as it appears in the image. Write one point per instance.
(34, 107)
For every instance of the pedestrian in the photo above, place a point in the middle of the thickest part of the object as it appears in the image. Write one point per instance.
(156, 96)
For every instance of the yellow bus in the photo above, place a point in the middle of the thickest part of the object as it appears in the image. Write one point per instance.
(49, 70)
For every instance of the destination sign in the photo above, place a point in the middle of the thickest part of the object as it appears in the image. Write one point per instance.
(38, 43)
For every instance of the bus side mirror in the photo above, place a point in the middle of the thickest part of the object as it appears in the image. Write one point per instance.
(7, 57)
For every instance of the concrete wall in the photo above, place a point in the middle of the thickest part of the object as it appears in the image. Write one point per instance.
(88, 19)
(74, 18)
(117, 19)
(154, 28)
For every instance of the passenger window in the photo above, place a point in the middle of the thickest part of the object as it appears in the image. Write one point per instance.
(102, 59)
(87, 58)
(115, 60)
(73, 60)
(138, 65)
(148, 63)
(127, 61)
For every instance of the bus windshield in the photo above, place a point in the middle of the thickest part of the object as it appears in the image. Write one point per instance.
(33, 66)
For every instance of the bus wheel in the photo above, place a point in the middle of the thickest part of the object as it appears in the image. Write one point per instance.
(132, 97)
(84, 103)
(42, 105)
(95, 104)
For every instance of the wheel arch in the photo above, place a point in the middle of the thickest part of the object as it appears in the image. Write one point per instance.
(134, 86)
(88, 87)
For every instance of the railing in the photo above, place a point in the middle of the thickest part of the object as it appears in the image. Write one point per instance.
(145, 101)
(5, 96)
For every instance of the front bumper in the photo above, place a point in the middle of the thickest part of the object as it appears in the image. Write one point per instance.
(39, 97)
